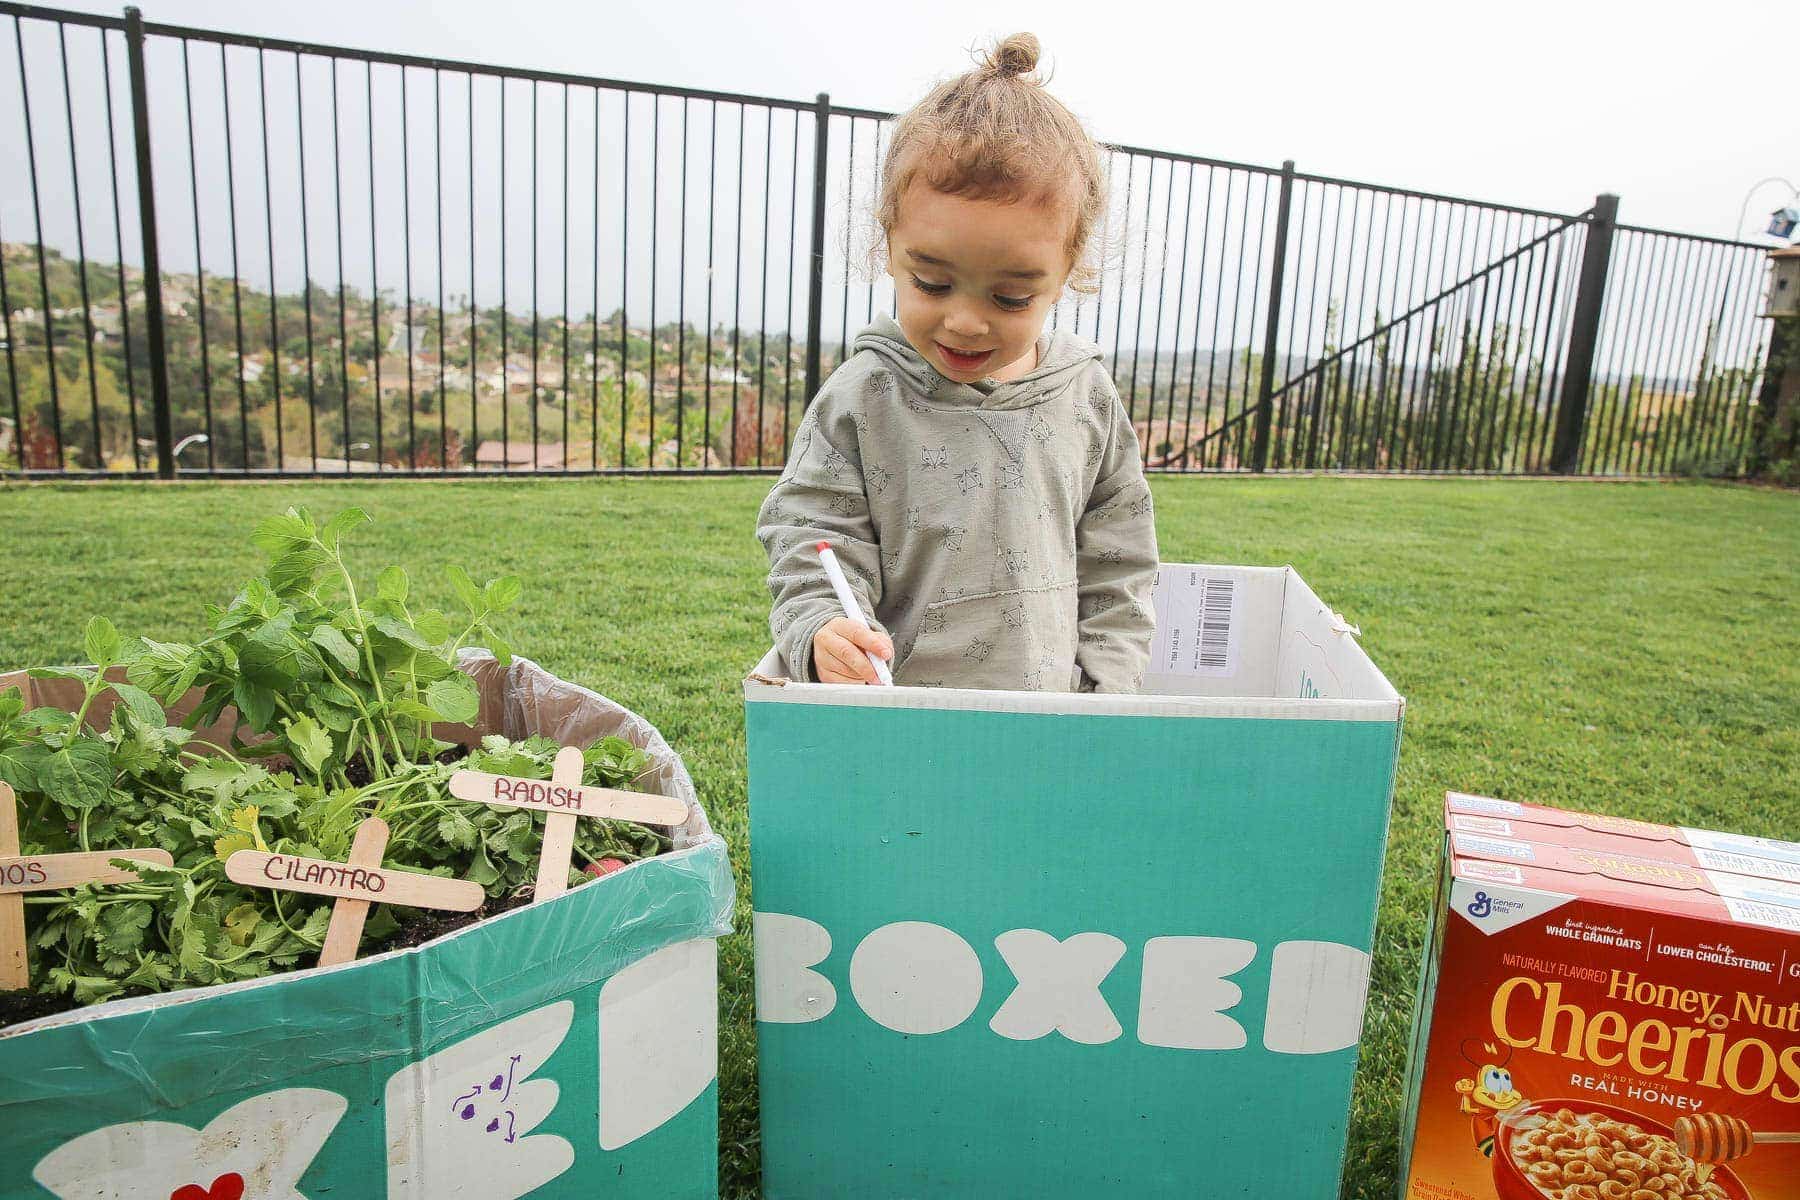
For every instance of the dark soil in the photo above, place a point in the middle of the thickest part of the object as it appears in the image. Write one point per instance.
(29, 1006)
(436, 925)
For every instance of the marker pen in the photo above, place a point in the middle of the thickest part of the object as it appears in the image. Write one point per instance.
(852, 609)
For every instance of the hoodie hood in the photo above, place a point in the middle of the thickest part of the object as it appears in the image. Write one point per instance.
(1062, 358)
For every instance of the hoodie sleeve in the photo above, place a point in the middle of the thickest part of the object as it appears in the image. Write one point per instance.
(1116, 560)
(819, 497)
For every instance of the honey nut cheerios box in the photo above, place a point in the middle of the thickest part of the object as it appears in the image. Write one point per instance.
(1605, 1020)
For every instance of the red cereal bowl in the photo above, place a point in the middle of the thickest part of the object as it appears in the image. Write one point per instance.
(1512, 1183)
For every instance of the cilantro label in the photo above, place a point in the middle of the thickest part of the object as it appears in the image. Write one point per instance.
(350, 881)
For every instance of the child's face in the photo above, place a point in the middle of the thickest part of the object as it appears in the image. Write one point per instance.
(976, 279)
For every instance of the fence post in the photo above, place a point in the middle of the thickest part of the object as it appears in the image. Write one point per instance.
(815, 285)
(1584, 333)
(153, 309)
(1265, 392)
(1781, 380)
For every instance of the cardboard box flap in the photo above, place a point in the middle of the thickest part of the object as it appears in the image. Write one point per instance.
(1696, 902)
(1738, 853)
(1624, 868)
(1231, 641)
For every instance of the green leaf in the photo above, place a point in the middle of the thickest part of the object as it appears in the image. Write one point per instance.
(313, 932)
(433, 626)
(225, 779)
(278, 535)
(405, 706)
(309, 742)
(241, 923)
(47, 719)
(331, 639)
(141, 705)
(455, 829)
(341, 524)
(333, 717)
(293, 570)
(152, 974)
(74, 673)
(392, 584)
(123, 925)
(87, 989)
(465, 589)
(502, 593)
(101, 642)
(455, 697)
(501, 651)
(255, 704)
(231, 843)
(382, 924)
(19, 765)
(273, 655)
(400, 631)
(482, 869)
(79, 775)
(428, 668)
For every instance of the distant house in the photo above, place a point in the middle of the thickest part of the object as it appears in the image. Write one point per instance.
(407, 337)
(517, 456)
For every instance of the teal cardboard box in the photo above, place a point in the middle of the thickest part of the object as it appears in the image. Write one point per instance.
(1026, 944)
(564, 1049)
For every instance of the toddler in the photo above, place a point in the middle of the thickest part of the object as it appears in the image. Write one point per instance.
(976, 475)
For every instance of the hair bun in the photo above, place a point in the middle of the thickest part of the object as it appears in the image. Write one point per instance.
(1017, 55)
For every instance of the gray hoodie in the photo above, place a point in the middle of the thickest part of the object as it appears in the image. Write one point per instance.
(1000, 533)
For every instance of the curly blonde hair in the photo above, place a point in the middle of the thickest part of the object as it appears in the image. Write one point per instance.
(996, 133)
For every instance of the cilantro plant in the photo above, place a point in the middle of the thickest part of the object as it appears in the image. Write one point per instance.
(337, 690)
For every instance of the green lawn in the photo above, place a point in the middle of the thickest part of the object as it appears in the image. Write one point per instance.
(1633, 648)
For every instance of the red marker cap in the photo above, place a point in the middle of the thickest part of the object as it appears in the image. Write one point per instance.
(823, 546)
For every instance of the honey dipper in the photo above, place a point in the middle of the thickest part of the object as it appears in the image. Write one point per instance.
(1716, 1138)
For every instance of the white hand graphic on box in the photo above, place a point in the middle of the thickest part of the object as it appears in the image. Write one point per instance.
(255, 1150)
(457, 1122)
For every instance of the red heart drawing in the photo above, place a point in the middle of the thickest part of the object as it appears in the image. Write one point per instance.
(226, 1187)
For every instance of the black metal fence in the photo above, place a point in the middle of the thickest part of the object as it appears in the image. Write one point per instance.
(338, 261)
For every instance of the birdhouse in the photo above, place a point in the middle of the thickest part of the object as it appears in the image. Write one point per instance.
(1783, 221)
(1784, 283)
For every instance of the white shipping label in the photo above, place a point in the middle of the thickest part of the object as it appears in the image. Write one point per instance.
(1733, 843)
(1744, 864)
(1471, 846)
(1463, 823)
(1199, 624)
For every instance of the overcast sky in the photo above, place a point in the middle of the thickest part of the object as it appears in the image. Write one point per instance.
(1677, 108)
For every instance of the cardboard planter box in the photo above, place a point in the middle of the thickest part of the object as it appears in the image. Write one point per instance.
(563, 1049)
(1598, 1022)
(1037, 944)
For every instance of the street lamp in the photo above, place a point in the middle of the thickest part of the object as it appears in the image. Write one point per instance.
(1737, 231)
(190, 440)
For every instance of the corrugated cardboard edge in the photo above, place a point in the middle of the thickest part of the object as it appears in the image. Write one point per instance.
(769, 681)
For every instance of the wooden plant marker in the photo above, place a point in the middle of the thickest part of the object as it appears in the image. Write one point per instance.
(356, 884)
(46, 873)
(564, 799)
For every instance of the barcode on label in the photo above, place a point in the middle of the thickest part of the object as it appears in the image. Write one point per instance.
(1215, 624)
(1198, 624)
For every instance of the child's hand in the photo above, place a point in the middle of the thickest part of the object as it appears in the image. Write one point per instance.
(838, 652)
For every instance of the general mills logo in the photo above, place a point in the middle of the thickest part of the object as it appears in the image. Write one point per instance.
(1481, 906)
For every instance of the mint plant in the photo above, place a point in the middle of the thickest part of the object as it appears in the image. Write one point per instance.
(337, 688)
